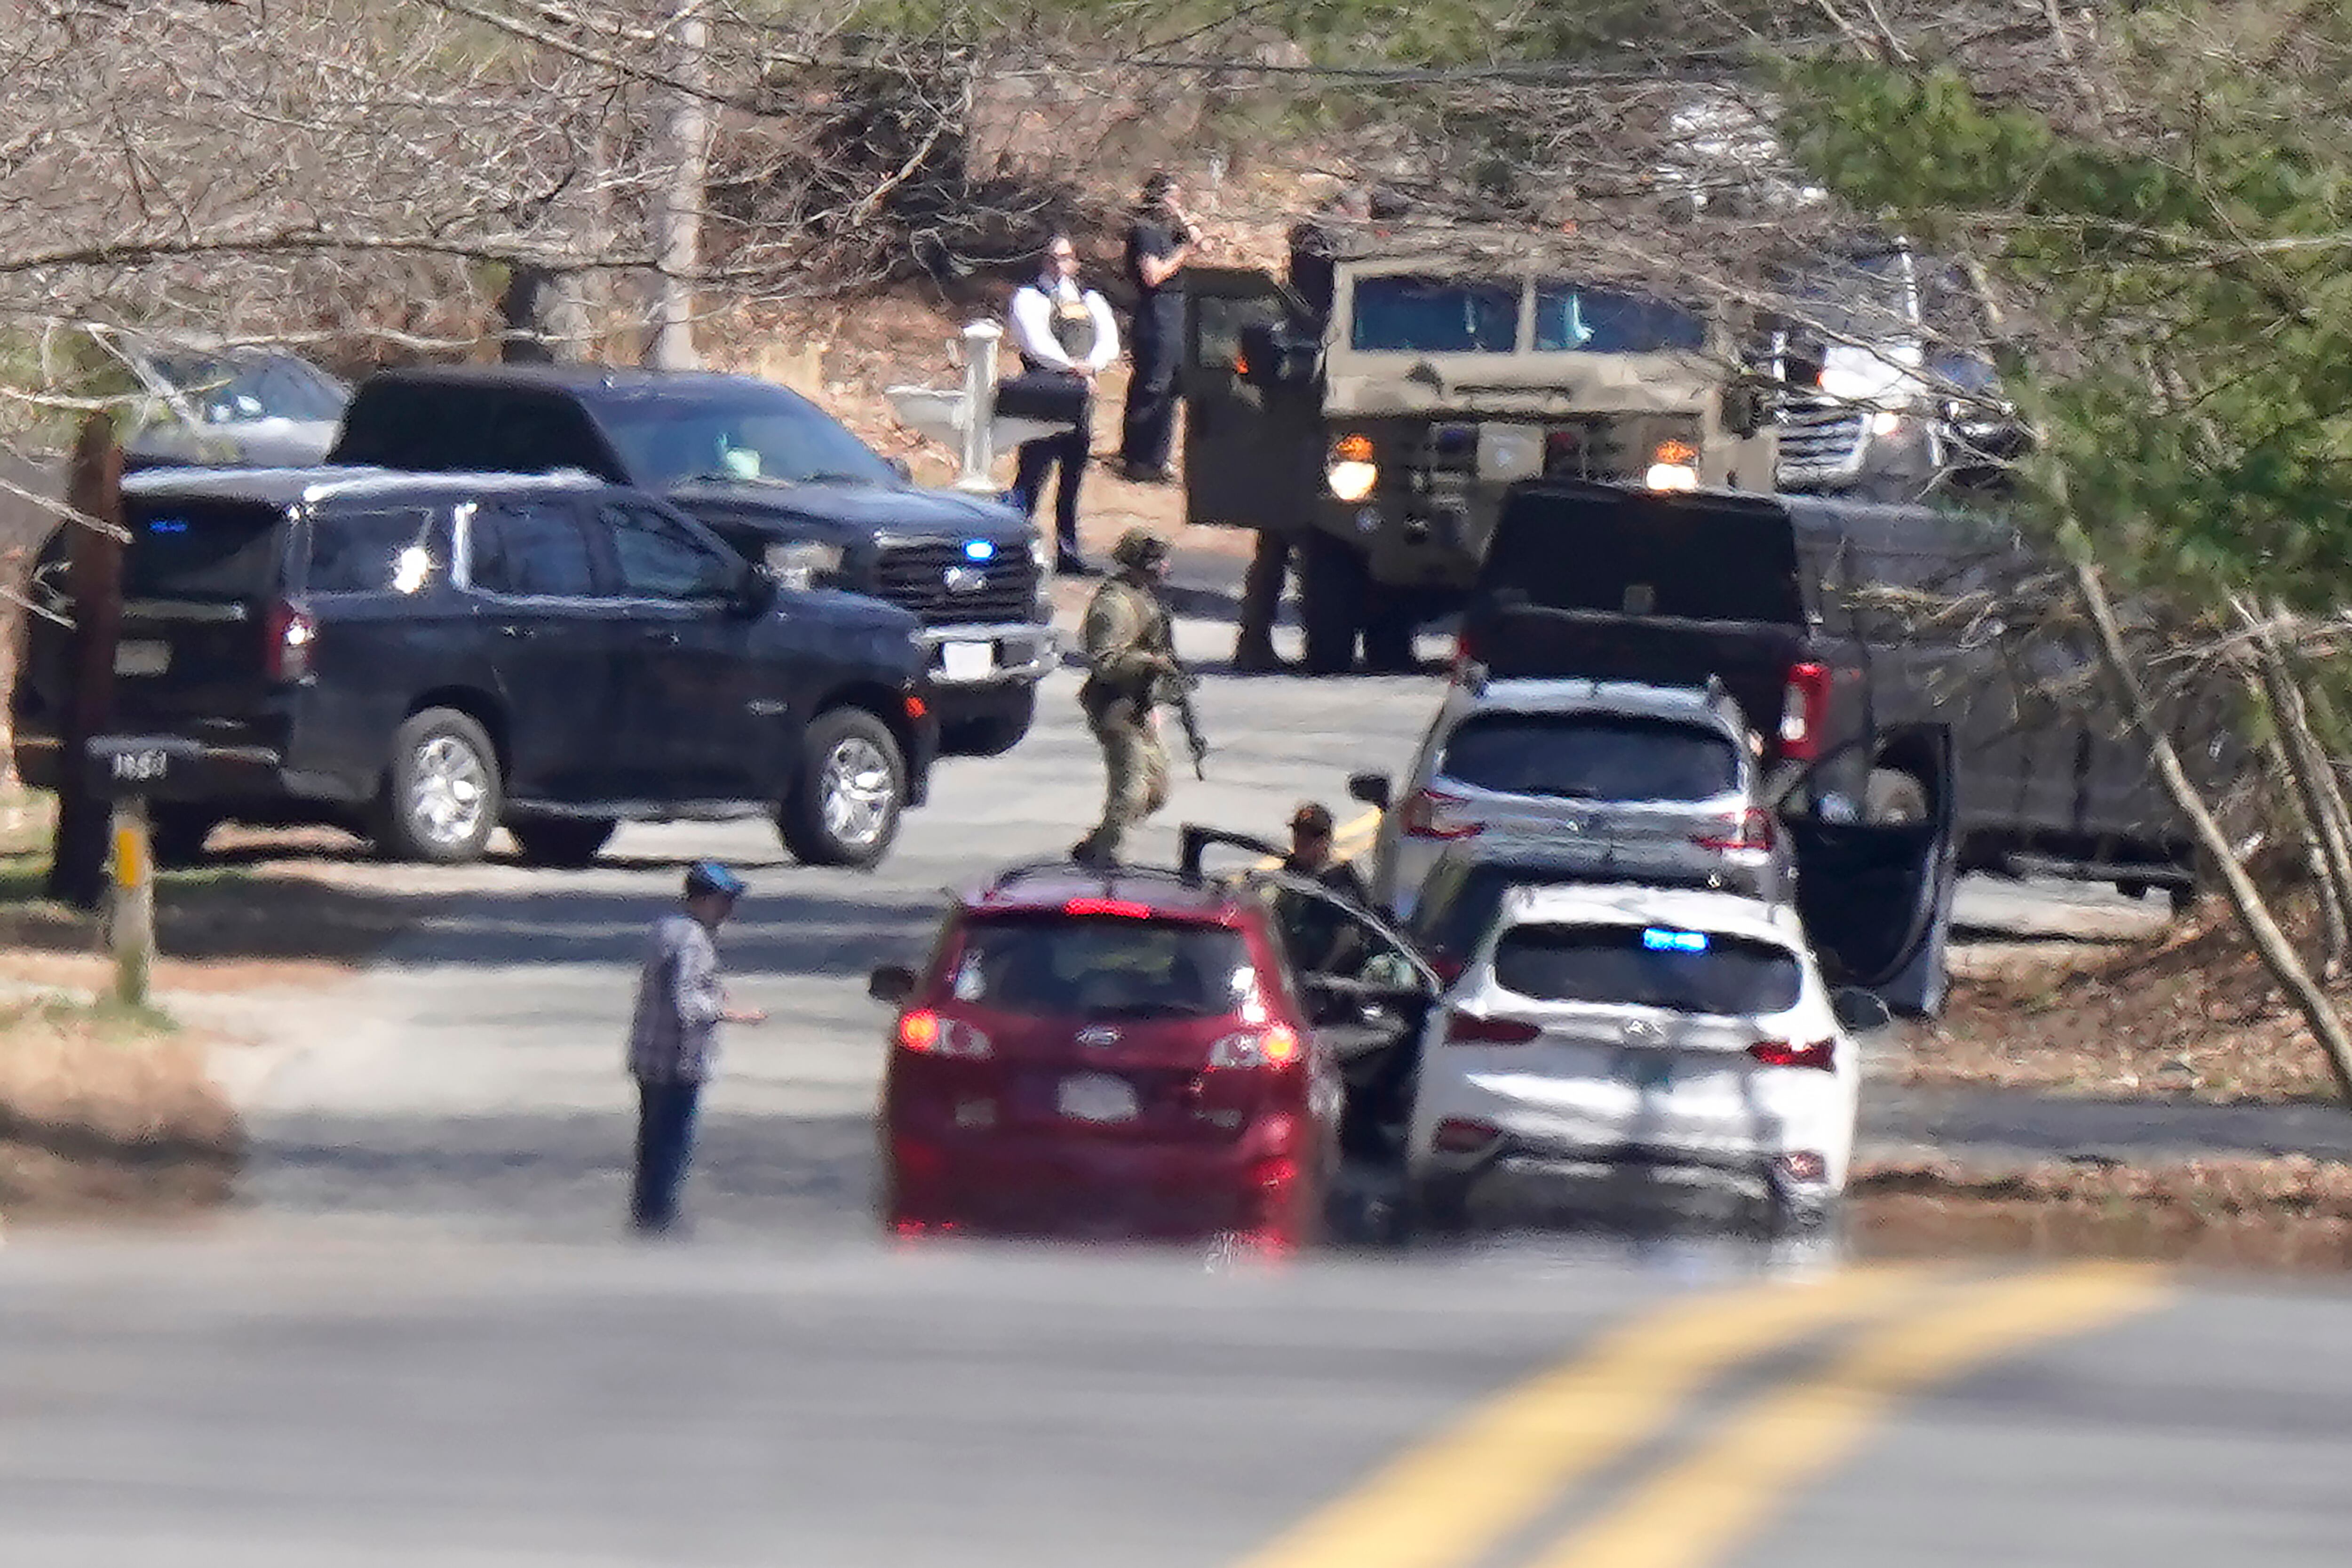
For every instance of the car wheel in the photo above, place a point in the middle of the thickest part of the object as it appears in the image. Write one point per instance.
(993, 737)
(562, 841)
(851, 792)
(443, 801)
(1892, 796)
(177, 833)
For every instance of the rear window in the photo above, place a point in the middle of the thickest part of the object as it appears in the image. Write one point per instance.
(373, 551)
(1648, 966)
(1590, 757)
(213, 551)
(1709, 560)
(1103, 967)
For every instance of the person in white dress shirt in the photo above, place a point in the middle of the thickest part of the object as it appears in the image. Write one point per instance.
(1061, 327)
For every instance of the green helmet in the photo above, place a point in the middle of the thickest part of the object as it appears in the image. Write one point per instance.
(1139, 548)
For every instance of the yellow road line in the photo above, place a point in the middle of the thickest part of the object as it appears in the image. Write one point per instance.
(1691, 1513)
(1451, 1499)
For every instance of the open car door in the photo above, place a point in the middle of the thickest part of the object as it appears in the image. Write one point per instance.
(1876, 898)
(1368, 989)
(1241, 440)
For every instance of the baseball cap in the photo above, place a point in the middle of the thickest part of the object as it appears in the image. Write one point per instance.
(710, 876)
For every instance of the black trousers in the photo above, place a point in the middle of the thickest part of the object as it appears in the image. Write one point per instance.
(1033, 460)
(665, 1144)
(1148, 432)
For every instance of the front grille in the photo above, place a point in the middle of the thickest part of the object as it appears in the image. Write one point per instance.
(1821, 438)
(915, 575)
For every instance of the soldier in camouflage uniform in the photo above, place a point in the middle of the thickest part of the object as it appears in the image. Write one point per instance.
(1129, 658)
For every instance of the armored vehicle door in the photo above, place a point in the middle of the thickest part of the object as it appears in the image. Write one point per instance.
(1249, 433)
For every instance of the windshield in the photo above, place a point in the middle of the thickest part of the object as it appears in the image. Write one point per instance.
(1649, 966)
(209, 551)
(762, 433)
(1103, 967)
(1597, 756)
(238, 389)
(1571, 316)
(1406, 314)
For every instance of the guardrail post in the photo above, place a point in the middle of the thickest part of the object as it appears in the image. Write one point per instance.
(980, 341)
(131, 918)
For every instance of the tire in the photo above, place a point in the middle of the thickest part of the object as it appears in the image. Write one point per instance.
(1892, 796)
(1438, 1208)
(993, 737)
(2183, 898)
(1330, 605)
(443, 797)
(177, 833)
(562, 841)
(849, 794)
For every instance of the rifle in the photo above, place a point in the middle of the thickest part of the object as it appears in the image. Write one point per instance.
(1176, 691)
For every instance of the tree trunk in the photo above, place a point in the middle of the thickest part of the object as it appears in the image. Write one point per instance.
(2336, 938)
(94, 578)
(2271, 944)
(2331, 816)
(681, 173)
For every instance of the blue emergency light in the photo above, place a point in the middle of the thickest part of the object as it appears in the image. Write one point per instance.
(167, 525)
(1659, 939)
(979, 550)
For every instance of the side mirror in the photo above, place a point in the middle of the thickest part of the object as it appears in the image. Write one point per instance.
(1860, 1011)
(904, 470)
(893, 983)
(1372, 789)
(1274, 355)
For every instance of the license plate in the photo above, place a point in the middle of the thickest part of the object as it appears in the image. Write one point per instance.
(142, 658)
(966, 660)
(1647, 1069)
(1093, 1098)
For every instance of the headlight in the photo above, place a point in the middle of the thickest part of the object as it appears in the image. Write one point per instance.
(801, 563)
(1349, 469)
(1671, 477)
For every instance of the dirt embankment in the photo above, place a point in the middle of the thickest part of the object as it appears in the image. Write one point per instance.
(105, 1109)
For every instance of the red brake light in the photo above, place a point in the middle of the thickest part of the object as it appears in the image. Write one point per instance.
(1418, 818)
(290, 631)
(1467, 1028)
(1125, 908)
(1805, 711)
(1753, 831)
(1820, 1054)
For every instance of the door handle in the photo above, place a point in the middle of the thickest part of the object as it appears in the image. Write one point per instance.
(661, 634)
(518, 633)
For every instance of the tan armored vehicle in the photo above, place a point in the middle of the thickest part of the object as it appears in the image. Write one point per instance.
(1381, 435)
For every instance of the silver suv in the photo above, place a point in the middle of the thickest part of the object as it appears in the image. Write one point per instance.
(1641, 781)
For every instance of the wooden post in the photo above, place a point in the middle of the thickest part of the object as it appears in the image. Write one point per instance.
(131, 917)
(94, 581)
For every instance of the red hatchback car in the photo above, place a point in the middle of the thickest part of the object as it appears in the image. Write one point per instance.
(1105, 1054)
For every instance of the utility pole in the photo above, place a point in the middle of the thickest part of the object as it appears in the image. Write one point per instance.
(77, 854)
(681, 177)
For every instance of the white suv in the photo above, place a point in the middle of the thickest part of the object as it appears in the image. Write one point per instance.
(1601, 1028)
(1641, 781)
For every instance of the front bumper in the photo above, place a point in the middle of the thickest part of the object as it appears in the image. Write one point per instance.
(1019, 653)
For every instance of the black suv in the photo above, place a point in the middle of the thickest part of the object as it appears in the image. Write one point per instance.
(773, 475)
(422, 657)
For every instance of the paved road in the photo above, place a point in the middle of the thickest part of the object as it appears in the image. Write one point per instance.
(275, 1406)
(473, 1081)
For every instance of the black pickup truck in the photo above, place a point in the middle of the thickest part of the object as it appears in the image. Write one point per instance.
(779, 480)
(1795, 602)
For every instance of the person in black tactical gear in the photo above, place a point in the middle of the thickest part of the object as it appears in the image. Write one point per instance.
(1160, 241)
(1318, 937)
(1061, 327)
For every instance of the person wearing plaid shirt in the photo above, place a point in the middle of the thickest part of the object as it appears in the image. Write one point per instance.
(673, 1038)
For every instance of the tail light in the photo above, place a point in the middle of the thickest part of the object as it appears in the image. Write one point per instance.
(1422, 816)
(1752, 830)
(1820, 1054)
(1805, 711)
(1272, 1048)
(290, 631)
(926, 1034)
(1469, 1030)
(1120, 908)
(1466, 654)
(1455, 1136)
